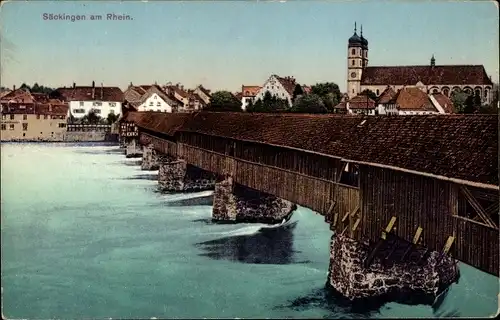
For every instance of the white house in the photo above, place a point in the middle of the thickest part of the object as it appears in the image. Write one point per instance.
(248, 94)
(102, 100)
(156, 100)
(279, 87)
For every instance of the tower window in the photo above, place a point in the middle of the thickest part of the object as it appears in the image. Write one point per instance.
(353, 63)
(353, 51)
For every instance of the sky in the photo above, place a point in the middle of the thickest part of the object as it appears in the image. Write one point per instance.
(226, 44)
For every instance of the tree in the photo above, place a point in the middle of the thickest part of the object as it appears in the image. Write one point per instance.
(112, 118)
(469, 105)
(297, 92)
(329, 93)
(458, 98)
(370, 94)
(269, 103)
(93, 117)
(477, 100)
(223, 101)
(311, 103)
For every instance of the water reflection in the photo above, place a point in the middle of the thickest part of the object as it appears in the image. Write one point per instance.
(266, 246)
(142, 176)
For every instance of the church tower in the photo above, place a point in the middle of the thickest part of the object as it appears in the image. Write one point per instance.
(355, 63)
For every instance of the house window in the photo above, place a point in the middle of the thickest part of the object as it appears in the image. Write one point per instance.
(11, 117)
(486, 94)
(11, 127)
(38, 117)
(112, 104)
(81, 103)
(154, 97)
(4, 127)
(112, 111)
(158, 104)
(353, 51)
(45, 116)
(25, 127)
(3, 117)
(352, 62)
(25, 117)
(97, 111)
(97, 104)
(62, 125)
(151, 104)
(378, 92)
(352, 90)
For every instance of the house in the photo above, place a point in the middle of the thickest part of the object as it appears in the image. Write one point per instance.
(177, 92)
(204, 94)
(247, 95)
(360, 104)
(84, 99)
(280, 87)
(415, 101)
(150, 98)
(433, 78)
(33, 121)
(386, 102)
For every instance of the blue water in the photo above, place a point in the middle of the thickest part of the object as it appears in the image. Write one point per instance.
(85, 234)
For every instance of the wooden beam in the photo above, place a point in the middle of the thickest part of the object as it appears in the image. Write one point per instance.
(339, 171)
(356, 224)
(492, 208)
(331, 207)
(448, 244)
(477, 207)
(344, 230)
(417, 235)
(389, 227)
(345, 216)
(356, 209)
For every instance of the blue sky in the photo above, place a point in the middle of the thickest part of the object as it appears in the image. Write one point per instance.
(225, 44)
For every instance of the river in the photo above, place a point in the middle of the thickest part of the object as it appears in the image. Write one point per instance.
(85, 234)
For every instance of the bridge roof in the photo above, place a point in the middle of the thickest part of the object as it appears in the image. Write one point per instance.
(463, 147)
(162, 122)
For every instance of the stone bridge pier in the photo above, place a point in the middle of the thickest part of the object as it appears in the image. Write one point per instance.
(150, 158)
(395, 273)
(237, 203)
(175, 175)
(133, 148)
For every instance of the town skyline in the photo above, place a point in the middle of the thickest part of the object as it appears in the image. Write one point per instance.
(215, 45)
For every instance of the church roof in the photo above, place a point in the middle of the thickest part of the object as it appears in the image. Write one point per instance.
(355, 39)
(439, 75)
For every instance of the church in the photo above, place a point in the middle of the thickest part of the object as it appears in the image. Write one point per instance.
(429, 78)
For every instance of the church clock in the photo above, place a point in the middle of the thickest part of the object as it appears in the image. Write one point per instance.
(353, 75)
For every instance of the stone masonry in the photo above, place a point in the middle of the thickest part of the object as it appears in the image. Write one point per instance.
(348, 276)
(178, 176)
(236, 203)
(133, 149)
(150, 159)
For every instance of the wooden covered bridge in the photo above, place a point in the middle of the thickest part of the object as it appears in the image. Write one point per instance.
(431, 180)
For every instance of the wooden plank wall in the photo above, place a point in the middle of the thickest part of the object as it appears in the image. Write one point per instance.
(293, 160)
(419, 201)
(307, 191)
(163, 146)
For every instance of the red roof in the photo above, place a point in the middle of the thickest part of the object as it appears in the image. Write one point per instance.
(444, 102)
(414, 99)
(361, 102)
(58, 109)
(387, 96)
(113, 94)
(288, 83)
(439, 75)
(250, 91)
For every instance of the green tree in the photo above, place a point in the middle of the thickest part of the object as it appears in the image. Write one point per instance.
(469, 105)
(25, 86)
(223, 101)
(370, 94)
(297, 92)
(311, 103)
(477, 100)
(112, 118)
(93, 117)
(458, 98)
(269, 103)
(329, 93)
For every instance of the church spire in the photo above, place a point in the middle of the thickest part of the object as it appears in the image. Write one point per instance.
(433, 61)
(354, 26)
(361, 30)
